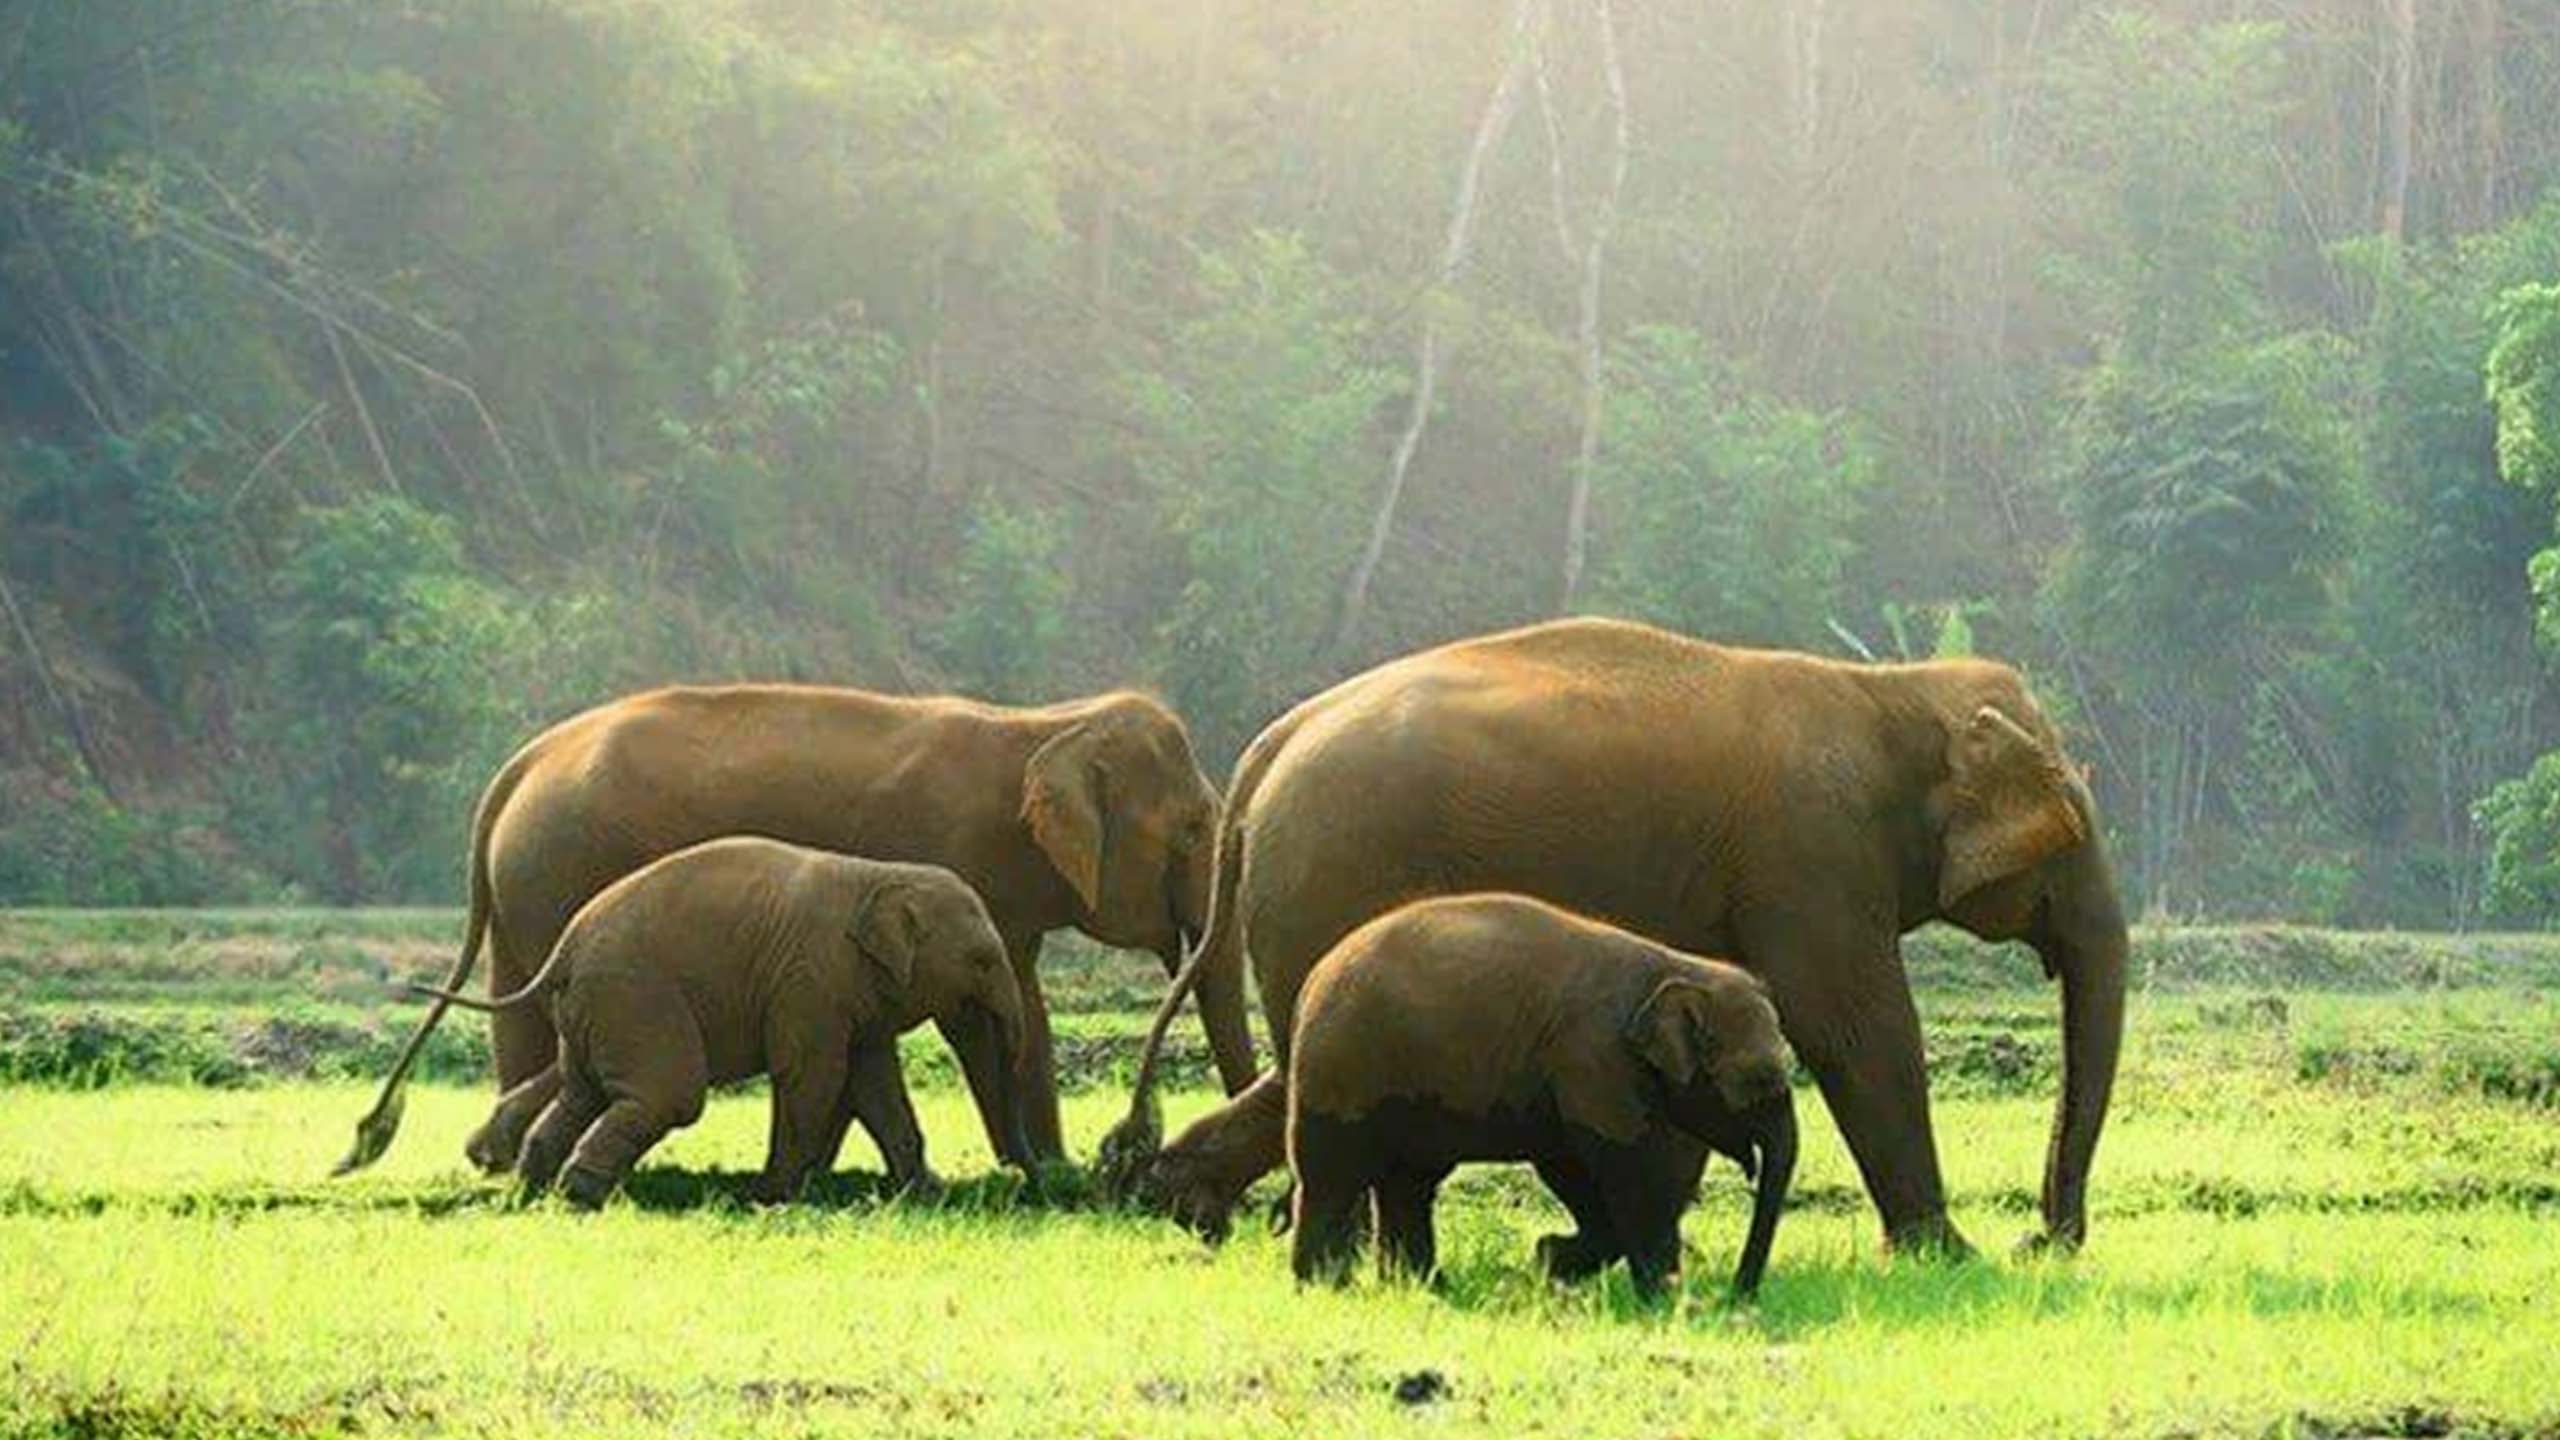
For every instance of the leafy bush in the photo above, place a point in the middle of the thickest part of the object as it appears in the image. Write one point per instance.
(1009, 603)
(2522, 820)
(63, 842)
(1256, 426)
(388, 705)
(2209, 502)
(1723, 511)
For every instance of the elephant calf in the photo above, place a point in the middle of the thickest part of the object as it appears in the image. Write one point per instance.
(1497, 1027)
(745, 956)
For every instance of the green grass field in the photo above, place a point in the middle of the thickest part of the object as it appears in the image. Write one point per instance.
(2321, 1210)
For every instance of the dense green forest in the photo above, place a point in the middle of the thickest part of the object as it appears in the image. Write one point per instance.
(381, 380)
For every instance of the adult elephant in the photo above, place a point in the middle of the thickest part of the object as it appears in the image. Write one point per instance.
(1091, 814)
(1795, 814)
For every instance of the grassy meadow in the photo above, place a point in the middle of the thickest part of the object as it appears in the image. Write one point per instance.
(2327, 1205)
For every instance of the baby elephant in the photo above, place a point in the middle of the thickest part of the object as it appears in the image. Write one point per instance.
(746, 956)
(1497, 1027)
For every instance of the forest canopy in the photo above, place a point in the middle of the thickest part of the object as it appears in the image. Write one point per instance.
(379, 383)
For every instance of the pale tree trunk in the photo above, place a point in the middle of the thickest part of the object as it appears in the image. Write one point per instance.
(2395, 134)
(1106, 185)
(66, 712)
(364, 412)
(1490, 125)
(2488, 145)
(1195, 111)
(1800, 66)
(1594, 257)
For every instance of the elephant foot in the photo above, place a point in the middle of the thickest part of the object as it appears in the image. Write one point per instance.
(489, 1154)
(1933, 1238)
(586, 1189)
(923, 1187)
(1569, 1258)
(2060, 1242)
(538, 1166)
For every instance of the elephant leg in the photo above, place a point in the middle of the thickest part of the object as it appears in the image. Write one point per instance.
(647, 1056)
(546, 1146)
(876, 1093)
(1036, 1081)
(1407, 1246)
(1644, 1187)
(808, 1062)
(1845, 1005)
(522, 1042)
(1594, 1241)
(493, 1147)
(1331, 1195)
(604, 1155)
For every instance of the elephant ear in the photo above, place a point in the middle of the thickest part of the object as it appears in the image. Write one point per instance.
(885, 929)
(1674, 1030)
(2011, 806)
(1062, 803)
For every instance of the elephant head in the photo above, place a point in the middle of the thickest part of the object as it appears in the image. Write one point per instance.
(2019, 858)
(1712, 1040)
(1118, 804)
(933, 952)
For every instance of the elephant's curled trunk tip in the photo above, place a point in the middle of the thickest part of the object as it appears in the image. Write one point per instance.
(1129, 1145)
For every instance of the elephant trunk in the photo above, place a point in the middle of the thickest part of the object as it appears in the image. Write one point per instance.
(2086, 948)
(1215, 968)
(1222, 1015)
(1777, 1170)
(989, 1038)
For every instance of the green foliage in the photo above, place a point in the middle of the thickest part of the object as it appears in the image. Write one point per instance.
(1722, 510)
(1256, 448)
(152, 566)
(765, 452)
(2522, 819)
(1008, 605)
(388, 700)
(858, 341)
(1951, 636)
(2208, 503)
(2161, 250)
(63, 842)
(2524, 385)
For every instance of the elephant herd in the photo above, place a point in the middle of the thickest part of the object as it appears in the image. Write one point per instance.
(1474, 887)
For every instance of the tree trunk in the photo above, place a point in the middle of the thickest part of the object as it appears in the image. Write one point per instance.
(72, 726)
(1800, 61)
(2395, 134)
(2488, 137)
(1577, 516)
(1490, 126)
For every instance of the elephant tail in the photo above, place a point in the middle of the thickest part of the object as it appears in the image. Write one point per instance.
(1215, 967)
(375, 1131)
(531, 992)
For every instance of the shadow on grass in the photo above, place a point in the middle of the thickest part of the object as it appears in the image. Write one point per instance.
(1056, 1188)
(1804, 1299)
(653, 1189)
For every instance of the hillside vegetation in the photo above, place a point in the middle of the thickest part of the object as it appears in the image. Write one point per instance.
(380, 382)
